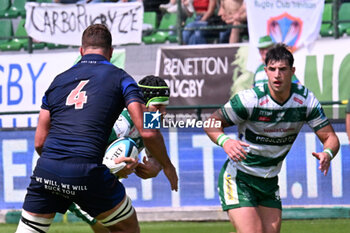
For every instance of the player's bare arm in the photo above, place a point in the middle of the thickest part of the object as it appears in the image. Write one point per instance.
(154, 142)
(233, 148)
(330, 143)
(149, 167)
(214, 132)
(42, 130)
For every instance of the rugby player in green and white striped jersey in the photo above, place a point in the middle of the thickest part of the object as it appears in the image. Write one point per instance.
(269, 119)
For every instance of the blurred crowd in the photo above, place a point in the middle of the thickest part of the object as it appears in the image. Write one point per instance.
(196, 14)
(204, 13)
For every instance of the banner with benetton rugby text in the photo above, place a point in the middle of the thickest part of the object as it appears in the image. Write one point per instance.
(201, 75)
(65, 23)
(294, 22)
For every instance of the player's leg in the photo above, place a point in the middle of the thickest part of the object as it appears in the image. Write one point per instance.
(106, 200)
(270, 205)
(246, 220)
(271, 219)
(95, 225)
(122, 218)
(239, 200)
(99, 228)
(34, 223)
(40, 205)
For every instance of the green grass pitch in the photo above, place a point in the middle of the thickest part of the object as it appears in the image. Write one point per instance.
(288, 226)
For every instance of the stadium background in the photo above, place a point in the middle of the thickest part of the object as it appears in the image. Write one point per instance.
(322, 68)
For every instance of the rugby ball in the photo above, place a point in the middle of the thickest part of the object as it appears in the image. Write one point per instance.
(122, 147)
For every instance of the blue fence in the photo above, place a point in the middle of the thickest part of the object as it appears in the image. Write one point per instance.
(199, 162)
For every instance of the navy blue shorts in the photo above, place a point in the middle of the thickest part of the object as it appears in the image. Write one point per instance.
(56, 184)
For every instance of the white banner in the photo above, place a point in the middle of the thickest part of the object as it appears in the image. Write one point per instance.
(324, 68)
(294, 22)
(24, 79)
(65, 23)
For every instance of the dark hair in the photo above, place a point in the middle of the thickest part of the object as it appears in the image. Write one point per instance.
(279, 52)
(97, 36)
(153, 86)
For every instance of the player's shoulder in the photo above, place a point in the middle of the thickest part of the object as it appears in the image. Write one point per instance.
(244, 94)
(260, 91)
(63, 78)
(115, 71)
(300, 90)
(250, 97)
(304, 96)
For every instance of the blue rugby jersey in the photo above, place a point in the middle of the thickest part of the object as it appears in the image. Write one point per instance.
(84, 102)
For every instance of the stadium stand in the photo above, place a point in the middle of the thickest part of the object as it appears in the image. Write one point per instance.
(4, 6)
(327, 28)
(150, 23)
(6, 30)
(150, 18)
(160, 31)
(35, 46)
(344, 15)
(56, 46)
(21, 38)
(17, 9)
(167, 22)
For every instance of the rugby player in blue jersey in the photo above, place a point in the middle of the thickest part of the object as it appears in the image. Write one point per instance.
(156, 95)
(269, 118)
(78, 112)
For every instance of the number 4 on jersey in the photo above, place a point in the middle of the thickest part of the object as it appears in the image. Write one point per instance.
(77, 97)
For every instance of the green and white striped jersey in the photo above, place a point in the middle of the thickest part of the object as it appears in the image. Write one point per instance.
(269, 127)
(124, 127)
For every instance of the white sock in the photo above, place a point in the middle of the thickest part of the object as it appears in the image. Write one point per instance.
(33, 224)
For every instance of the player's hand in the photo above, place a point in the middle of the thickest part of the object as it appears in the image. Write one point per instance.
(148, 169)
(170, 173)
(234, 149)
(129, 168)
(325, 161)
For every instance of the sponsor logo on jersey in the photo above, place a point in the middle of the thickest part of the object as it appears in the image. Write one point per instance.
(264, 118)
(265, 113)
(298, 100)
(275, 141)
(279, 130)
(265, 101)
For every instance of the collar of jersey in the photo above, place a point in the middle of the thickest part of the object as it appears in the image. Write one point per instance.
(94, 57)
(266, 86)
